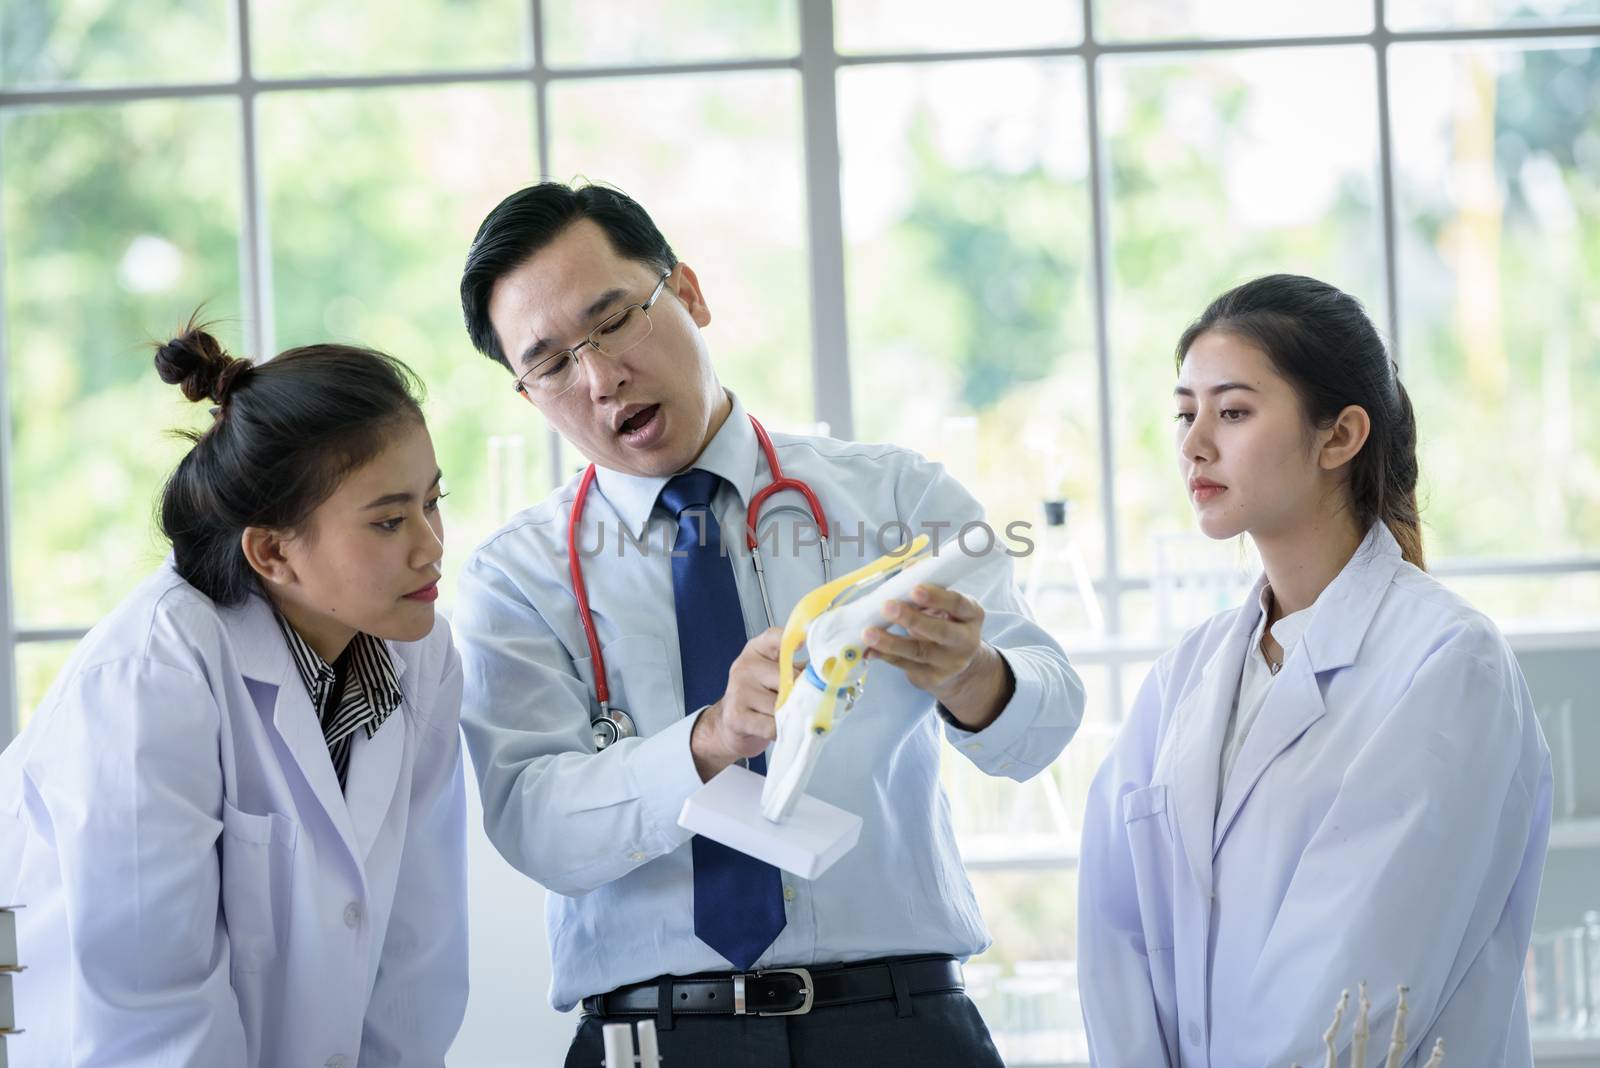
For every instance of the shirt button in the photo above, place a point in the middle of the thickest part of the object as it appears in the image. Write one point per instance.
(1194, 1033)
(1004, 764)
(973, 747)
(636, 856)
(338, 1060)
(352, 918)
(788, 893)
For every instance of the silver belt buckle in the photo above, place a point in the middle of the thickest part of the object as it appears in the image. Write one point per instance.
(808, 988)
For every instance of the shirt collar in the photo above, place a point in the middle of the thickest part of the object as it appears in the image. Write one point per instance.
(1287, 630)
(731, 455)
(317, 674)
(375, 676)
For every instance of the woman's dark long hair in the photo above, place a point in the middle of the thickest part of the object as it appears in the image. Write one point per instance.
(284, 433)
(1320, 339)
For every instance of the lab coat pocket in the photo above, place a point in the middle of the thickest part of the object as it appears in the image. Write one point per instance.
(640, 679)
(257, 883)
(1152, 850)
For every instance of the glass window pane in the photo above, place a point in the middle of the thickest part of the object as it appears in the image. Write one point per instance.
(38, 664)
(98, 42)
(1020, 844)
(369, 248)
(594, 33)
(1151, 20)
(1026, 985)
(1459, 14)
(967, 227)
(951, 25)
(1040, 821)
(1223, 169)
(715, 160)
(308, 37)
(119, 222)
(1497, 190)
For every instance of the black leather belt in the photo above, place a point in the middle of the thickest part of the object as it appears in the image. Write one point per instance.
(781, 991)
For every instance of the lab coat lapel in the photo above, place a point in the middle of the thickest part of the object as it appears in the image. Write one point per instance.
(1343, 614)
(1199, 722)
(1293, 704)
(375, 769)
(280, 698)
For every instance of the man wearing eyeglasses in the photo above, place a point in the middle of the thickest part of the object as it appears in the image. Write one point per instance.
(602, 328)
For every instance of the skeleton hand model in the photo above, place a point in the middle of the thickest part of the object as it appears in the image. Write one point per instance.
(830, 621)
(1358, 1049)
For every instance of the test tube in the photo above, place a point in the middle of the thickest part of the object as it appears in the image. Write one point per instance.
(618, 1038)
(649, 1052)
(508, 475)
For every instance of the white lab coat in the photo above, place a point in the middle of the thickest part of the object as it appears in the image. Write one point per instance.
(1386, 821)
(198, 891)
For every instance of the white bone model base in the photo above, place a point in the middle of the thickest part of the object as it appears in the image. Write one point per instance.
(771, 818)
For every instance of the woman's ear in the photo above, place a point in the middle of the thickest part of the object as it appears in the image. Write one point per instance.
(264, 551)
(1343, 440)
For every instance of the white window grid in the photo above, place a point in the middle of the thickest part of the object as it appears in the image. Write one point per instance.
(817, 62)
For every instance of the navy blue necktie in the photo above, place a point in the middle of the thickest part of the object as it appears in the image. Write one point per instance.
(738, 900)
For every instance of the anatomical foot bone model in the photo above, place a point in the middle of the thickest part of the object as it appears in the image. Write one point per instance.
(829, 621)
(771, 817)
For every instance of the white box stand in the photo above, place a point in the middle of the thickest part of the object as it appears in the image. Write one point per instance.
(728, 810)
(8, 937)
(9, 966)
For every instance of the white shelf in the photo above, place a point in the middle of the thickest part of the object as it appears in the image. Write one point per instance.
(1533, 638)
(1523, 636)
(1018, 852)
(986, 861)
(1575, 834)
(1547, 1053)
(1566, 1052)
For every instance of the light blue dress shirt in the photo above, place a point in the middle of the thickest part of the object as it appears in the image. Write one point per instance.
(600, 830)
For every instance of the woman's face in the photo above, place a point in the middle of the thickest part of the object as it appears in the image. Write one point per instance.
(1246, 451)
(367, 560)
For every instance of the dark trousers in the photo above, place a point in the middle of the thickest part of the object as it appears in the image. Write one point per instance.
(943, 1031)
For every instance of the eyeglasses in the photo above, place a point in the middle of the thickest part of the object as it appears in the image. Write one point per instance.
(616, 334)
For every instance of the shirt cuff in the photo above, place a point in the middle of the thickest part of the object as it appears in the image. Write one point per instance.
(990, 748)
(663, 773)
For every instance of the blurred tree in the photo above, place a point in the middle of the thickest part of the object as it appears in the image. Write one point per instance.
(1007, 281)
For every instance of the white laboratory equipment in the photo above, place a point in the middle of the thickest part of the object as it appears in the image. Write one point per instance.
(1194, 577)
(618, 1039)
(508, 475)
(10, 966)
(1056, 569)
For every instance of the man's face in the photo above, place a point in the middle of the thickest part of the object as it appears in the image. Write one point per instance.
(649, 411)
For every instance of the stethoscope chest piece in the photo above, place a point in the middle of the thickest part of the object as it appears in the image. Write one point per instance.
(611, 726)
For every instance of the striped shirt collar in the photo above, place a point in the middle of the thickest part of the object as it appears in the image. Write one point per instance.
(370, 695)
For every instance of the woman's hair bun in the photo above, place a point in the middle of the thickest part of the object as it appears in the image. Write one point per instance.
(195, 362)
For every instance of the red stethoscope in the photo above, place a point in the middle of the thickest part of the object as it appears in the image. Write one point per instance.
(613, 724)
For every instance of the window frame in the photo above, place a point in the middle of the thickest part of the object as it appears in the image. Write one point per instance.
(817, 64)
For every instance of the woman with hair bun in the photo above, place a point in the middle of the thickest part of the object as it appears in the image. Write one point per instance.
(237, 820)
(1340, 781)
